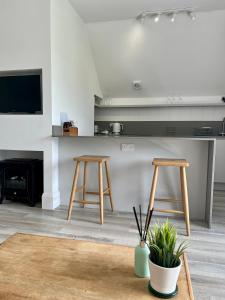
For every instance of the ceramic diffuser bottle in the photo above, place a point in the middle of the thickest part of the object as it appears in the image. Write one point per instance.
(141, 260)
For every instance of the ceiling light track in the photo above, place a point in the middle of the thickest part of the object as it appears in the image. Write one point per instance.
(171, 13)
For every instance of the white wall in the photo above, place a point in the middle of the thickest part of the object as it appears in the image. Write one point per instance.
(25, 44)
(74, 78)
(47, 35)
(183, 58)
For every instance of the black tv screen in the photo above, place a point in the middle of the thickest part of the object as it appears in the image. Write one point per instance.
(20, 94)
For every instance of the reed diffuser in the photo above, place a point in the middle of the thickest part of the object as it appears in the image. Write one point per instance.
(142, 250)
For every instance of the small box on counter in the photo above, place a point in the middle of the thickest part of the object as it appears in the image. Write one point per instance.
(70, 131)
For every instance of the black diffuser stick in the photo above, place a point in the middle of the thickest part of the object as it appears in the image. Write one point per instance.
(140, 221)
(149, 221)
(135, 214)
(146, 221)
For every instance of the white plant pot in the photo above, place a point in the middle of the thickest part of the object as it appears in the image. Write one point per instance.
(163, 280)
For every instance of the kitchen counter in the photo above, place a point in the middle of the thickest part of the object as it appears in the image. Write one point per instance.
(99, 136)
(131, 172)
(162, 129)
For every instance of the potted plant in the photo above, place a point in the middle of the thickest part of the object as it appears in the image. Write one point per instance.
(164, 259)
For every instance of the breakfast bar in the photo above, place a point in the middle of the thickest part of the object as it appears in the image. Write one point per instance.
(132, 171)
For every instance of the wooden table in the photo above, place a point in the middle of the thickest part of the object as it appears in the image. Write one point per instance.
(40, 268)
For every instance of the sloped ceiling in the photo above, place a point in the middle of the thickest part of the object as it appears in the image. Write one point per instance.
(183, 58)
(109, 10)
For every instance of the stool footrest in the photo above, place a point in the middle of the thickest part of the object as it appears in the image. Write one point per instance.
(86, 202)
(170, 211)
(97, 193)
(168, 199)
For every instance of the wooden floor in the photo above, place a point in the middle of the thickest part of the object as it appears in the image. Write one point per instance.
(206, 254)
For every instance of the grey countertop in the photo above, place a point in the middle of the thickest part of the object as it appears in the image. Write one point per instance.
(99, 136)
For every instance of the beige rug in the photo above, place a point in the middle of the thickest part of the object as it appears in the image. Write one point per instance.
(36, 267)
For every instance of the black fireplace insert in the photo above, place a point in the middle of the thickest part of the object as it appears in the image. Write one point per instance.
(21, 180)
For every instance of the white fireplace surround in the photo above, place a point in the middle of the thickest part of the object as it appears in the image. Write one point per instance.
(32, 34)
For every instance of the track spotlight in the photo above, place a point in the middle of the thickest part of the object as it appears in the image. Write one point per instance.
(192, 15)
(156, 18)
(172, 17)
(155, 15)
(141, 18)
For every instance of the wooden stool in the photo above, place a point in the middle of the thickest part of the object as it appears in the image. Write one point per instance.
(182, 164)
(101, 192)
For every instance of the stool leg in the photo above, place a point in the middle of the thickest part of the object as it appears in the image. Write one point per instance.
(184, 192)
(100, 182)
(84, 181)
(109, 183)
(153, 188)
(73, 191)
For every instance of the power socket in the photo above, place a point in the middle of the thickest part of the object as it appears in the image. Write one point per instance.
(127, 147)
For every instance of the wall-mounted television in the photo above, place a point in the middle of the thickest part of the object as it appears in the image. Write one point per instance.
(21, 92)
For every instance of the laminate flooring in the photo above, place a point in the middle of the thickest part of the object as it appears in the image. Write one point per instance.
(206, 254)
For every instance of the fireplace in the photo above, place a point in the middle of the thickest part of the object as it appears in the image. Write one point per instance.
(21, 180)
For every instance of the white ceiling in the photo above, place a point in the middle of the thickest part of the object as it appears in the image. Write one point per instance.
(109, 10)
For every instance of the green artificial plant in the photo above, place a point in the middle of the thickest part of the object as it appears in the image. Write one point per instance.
(161, 241)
